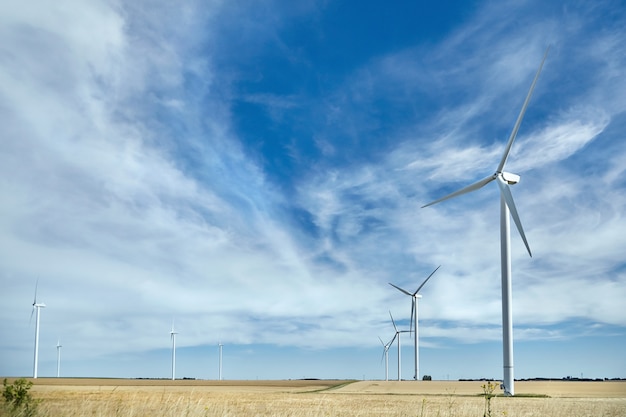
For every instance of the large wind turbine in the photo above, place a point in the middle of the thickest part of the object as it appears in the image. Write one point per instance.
(173, 334)
(414, 304)
(397, 336)
(507, 209)
(220, 364)
(59, 346)
(36, 306)
(386, 347)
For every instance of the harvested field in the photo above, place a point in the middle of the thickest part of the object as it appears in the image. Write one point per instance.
(564, 389)
(303, 398)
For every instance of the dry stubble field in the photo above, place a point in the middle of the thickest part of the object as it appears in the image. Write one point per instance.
(297, 398)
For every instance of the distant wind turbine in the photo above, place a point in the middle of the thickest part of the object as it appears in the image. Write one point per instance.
(36, 307)
(220, 364)
(507, 209)
(397, 336)
(386, 347)
(173, 337)
(59, 358)
(414, 317)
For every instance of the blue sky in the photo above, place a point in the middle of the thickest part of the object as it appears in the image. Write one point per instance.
(255, 171)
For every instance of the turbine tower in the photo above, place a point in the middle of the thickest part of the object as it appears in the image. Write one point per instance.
(59, 358)
(397, 335)
(173, 337)
(220, 364)
(414, 304)
(507, 209)
(36, 307)
(386, 347)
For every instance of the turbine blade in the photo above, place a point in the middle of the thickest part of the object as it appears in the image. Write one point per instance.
(425, 281)
(521, 115)
(36, 285)
(469, 188)
(404, 291)
(393, 322)
(412, 312)
(508, 197)
(384, 349)
(393, 339)
(31, 315)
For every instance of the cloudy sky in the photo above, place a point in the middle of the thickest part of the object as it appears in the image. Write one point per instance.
(254, 171)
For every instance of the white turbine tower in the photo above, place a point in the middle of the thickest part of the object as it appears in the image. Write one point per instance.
(220, 364)
(173, 334)
(507, 209)
(414, 318)
(397, 335)
(386, 347)
(36, 307)
(59, 346)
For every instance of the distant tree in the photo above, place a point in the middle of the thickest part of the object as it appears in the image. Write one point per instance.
(427, 378)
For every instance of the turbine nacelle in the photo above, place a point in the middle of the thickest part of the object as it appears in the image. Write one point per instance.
(510, 178)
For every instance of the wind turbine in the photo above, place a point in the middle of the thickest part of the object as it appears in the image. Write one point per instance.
(507, 209)
(220, 368)
(386, 347)
(59, 358)
(414, 304)
(397, 336)
(173, 337)
(36, 306)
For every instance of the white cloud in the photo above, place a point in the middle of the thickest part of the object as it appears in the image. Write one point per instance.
(561, 139)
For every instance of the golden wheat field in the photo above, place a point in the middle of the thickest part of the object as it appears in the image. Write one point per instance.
(303, 398)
